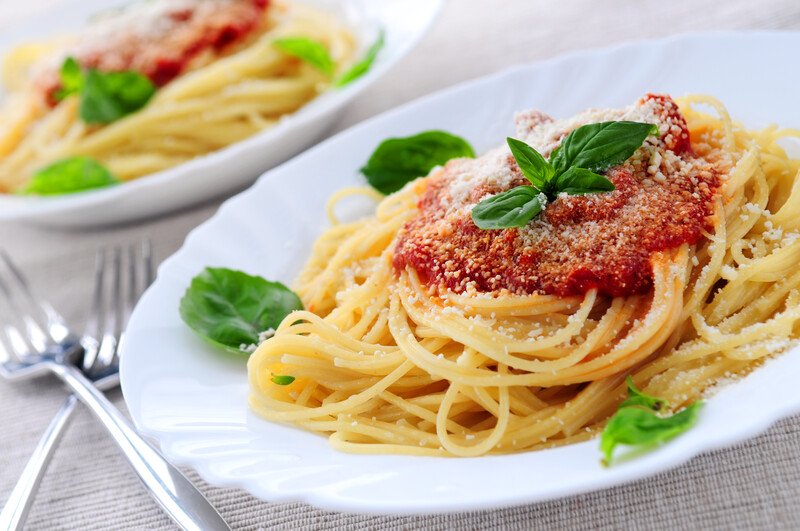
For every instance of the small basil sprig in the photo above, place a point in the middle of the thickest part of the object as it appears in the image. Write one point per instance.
(309, 50)
(230, 308)
(105, 97)
(572, 169)
(74, 174)
(362, 66)
(636, 422)
(397, 161)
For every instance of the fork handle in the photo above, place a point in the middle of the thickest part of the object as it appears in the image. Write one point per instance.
(179, 498)
(15, 511)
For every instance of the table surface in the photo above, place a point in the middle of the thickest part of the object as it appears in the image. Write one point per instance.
(88, 486)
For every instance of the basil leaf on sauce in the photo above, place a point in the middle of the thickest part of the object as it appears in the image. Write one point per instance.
(397, 161)
(512, 208)
(533, 165)
(638, 398)
(281, 379)
(597, 147)
(573, 166)
(71, 79)
(230, 308)
(637, 426)
(309, 50)
(107, 97)
(74, 174)
(579, 181)
(362, 66)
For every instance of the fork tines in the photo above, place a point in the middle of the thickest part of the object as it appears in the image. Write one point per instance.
(121, 275)
(28, 325)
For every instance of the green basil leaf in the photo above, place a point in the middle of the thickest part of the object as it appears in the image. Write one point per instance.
(230, 308)
(281, 379)
(636, 426)
(577, 181)
(599, 146)
(107, 97)
(537, 170)
(638, 398)
(309, 50)
(363, 66)
(512, 208)
(571, 169)
(67, 176)
(71, 79)
(398, 161)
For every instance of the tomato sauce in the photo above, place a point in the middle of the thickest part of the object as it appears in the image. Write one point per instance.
(163, 42)
(664, 198)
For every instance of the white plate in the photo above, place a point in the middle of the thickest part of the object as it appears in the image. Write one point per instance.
(192, 399)
(232, 168)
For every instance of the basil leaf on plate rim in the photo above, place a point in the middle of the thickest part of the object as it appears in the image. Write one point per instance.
(572, 169)
(231, 308)
(398, 161)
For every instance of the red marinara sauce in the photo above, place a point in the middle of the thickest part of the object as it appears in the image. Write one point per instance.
(163, 42)
(664, 198)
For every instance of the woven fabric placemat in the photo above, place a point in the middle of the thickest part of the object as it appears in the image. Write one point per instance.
(89, 486)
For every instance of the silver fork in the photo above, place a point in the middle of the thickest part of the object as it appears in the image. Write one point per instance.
(36, 340)
(102, 370)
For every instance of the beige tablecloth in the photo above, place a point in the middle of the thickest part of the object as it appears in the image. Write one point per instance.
(88, 486)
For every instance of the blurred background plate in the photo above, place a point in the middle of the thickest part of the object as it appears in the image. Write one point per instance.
(192, 399)
(236, 166)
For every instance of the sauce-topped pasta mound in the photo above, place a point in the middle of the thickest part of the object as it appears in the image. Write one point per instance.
(500, 303)
(158, 83)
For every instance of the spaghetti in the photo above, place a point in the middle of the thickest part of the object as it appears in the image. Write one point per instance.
(392, 357)
(223, 81)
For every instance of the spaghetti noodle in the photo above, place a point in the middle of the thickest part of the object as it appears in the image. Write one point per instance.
(390, 357)
(216, 91)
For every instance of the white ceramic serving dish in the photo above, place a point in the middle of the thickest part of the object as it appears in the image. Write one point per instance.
(192, 399)
(232, 168)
